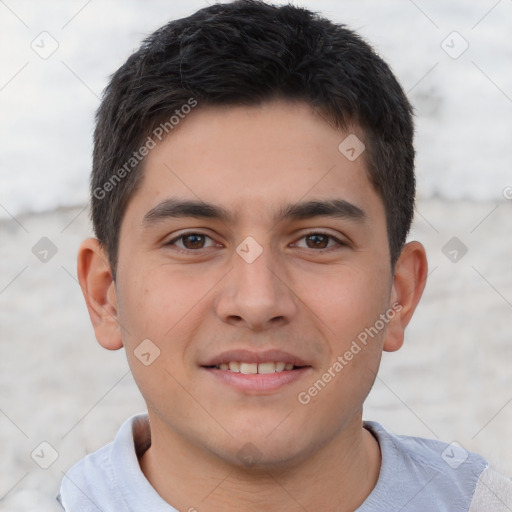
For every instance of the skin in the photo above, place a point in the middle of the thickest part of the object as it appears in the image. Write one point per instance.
(198, 298)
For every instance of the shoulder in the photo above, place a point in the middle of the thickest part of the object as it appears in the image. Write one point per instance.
(94, 483)
(493, 492)
(443, 457)
(423, 474)
(90, 478)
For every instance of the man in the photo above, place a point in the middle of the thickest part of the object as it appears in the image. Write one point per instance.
(252, 190)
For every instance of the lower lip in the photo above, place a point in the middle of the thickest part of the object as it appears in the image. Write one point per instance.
(258, 382)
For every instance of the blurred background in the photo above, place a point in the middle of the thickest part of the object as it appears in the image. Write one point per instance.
(63, 396)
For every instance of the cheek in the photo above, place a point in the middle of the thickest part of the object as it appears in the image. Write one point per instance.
(155, 308)
(350, 304)
(154, 301)
(167, 307)
(347, 302)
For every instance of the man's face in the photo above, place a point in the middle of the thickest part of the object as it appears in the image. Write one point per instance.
(303, 286)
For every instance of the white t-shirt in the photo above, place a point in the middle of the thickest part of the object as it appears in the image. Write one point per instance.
(416, 475)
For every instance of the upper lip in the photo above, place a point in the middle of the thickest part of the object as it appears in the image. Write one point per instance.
(250, 356)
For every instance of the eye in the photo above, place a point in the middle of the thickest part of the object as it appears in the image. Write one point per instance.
(320, 240)
(194, 241)
(190, 241)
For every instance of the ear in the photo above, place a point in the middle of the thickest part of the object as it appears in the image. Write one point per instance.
(98, 287)
(408, 284)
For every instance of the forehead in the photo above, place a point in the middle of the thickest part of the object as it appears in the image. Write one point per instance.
(255, 163)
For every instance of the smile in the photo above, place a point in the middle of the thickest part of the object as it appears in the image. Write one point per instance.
(252, 368)
(252, 378)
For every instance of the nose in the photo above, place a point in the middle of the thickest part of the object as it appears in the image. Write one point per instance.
(257, 294)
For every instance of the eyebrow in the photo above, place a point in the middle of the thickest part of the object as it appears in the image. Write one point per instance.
(179, 208)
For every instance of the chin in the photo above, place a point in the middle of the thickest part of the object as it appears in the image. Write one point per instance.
(263, 452)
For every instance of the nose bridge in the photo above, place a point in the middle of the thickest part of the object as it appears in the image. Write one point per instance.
(256, 293)
(256, 268)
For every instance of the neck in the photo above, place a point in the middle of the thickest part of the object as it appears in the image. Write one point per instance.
(338, 476)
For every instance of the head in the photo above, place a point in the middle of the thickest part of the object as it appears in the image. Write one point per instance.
(250, 109)
(267, 52)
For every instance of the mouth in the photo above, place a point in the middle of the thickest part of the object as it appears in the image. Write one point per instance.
(256, 368)
(257, 372)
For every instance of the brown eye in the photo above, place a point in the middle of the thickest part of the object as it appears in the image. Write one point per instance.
(318, 240)
(195, 241)
(189, 241)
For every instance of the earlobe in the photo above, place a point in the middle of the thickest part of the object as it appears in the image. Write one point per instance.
(98, 288)
(408, 284)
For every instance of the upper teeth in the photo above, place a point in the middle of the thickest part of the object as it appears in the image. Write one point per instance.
(248, 368)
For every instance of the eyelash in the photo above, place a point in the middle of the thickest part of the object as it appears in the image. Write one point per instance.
(188, 233)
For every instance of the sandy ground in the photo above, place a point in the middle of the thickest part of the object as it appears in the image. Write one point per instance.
(452, 380)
